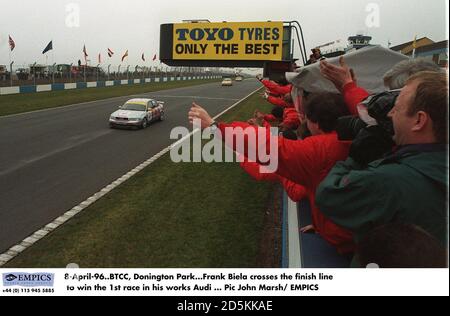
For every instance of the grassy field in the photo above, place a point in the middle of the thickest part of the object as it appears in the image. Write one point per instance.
(186, 215)
(20, 103)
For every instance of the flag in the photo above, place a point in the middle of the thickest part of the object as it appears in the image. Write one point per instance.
(110, 52)
(414, 45)
(154, 57)
(143, 57)
(85, 52)
(48, 47)
(100, 58)
(12, 44)
(125, 55)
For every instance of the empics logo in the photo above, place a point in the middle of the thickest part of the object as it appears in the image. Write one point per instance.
(28, 279)
(10, 277)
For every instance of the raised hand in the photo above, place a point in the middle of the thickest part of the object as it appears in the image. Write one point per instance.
(199, 113)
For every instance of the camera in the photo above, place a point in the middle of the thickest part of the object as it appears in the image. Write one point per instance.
(348, 127)
(378, 107)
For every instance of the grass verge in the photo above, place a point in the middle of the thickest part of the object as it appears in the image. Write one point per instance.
(186, 215)
(20, 103)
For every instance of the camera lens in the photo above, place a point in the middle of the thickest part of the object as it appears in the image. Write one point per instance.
(349, 126)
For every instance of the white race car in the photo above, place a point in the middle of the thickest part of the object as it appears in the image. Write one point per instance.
(227, 82)
(137, 113)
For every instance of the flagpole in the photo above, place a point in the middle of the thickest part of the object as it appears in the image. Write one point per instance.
(10, 69)
(53, 54)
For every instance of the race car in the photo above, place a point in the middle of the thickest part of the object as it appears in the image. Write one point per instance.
(227, 82)
(137, 113)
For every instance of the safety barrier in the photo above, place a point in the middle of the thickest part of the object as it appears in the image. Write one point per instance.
(94, 84)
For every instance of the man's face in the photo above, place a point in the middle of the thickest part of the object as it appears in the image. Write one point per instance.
(403, 123)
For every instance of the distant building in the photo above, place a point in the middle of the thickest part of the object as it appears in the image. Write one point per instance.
(333, 49)
(407, 48)
(358, 41)
(3, 72)
(340, 47)
(427, 49)
(38, 70)
(436, 52)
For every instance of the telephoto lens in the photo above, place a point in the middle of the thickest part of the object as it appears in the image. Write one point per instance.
(379, 106)
(348, 127)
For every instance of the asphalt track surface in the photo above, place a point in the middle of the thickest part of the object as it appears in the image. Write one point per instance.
(55, 159)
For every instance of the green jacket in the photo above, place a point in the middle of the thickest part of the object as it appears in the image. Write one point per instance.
(409, 187)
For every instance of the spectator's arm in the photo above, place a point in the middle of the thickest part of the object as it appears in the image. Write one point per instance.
(282, 90)
(292, 120)
(353, 95)
(266, 124)
(296, 159)
(270, 85)
(277, 101)
(275, 88)
(296, 192)
(270, 118)
(253, 169)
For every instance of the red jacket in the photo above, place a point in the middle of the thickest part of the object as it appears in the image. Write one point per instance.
(307, 162)
(295, 191)
(290, 118)
(275, 88)
(279, 101)
(353, 95)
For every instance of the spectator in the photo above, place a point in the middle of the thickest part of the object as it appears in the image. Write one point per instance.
(287, 118)
(398, 245)
(410, 185)
(307, 162)
(284, 102)
(314, 57)
(277, 89)
(373, 142)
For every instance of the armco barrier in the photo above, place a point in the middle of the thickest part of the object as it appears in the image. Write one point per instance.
(93, 84)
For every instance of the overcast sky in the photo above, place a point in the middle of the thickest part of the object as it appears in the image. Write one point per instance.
(134, 24)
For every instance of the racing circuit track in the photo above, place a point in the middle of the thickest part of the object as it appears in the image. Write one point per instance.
(54, 159)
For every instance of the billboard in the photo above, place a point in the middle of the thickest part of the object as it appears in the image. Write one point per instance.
(226, 43)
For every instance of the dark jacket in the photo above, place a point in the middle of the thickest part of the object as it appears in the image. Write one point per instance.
(409, 186)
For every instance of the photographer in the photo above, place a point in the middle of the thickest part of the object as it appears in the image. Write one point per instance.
(345, 79)
(407, 186)
(372, 135)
